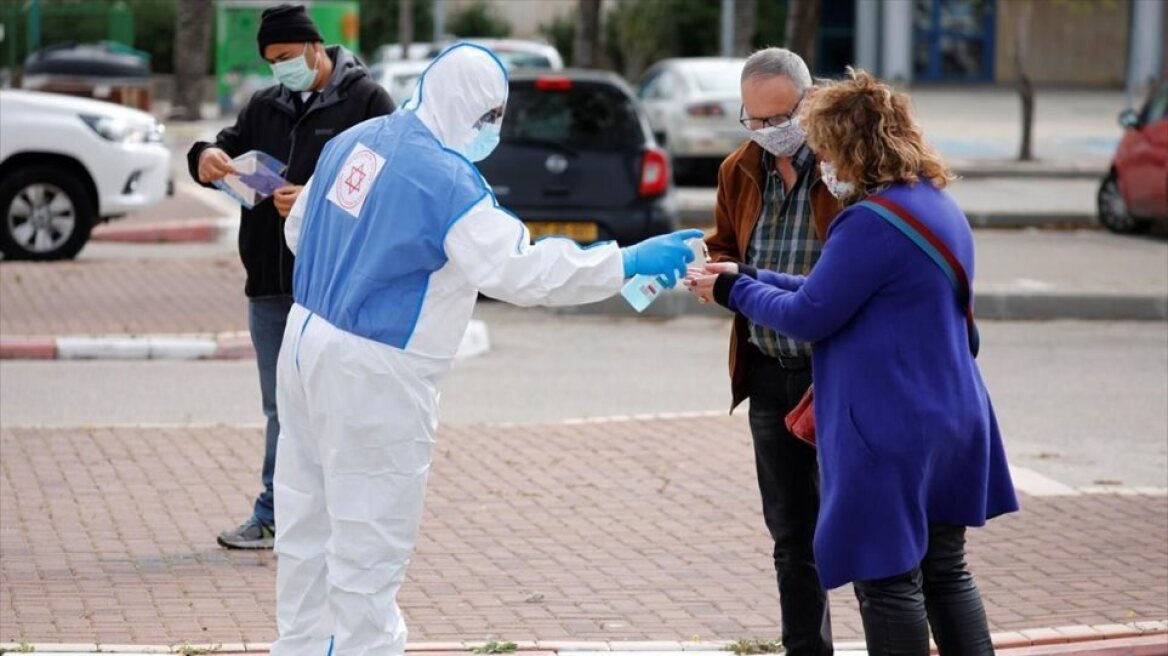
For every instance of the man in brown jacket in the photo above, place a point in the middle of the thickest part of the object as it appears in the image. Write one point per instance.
(772, 212)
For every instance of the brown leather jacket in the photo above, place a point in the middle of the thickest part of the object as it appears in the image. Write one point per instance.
(740, 187)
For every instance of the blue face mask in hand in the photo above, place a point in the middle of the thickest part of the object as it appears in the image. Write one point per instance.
(483, 144)
(294, 73)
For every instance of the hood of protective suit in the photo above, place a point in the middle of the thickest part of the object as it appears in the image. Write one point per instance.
(460, 85)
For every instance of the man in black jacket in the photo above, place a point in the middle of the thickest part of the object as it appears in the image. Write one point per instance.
(321, 92)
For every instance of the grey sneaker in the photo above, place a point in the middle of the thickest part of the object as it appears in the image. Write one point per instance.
(251, 534)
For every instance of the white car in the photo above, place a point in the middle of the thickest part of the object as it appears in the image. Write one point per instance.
(693, 105)
(67, 164)
(399, 78)
(518, 54)
(392, 52)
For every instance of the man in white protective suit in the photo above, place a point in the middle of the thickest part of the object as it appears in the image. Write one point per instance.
(395, 235)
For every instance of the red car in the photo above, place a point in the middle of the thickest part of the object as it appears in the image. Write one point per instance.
(1135, 192)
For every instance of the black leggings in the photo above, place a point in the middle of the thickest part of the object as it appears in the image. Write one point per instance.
(898, 611)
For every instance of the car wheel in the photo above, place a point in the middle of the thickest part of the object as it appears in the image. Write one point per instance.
(1113, 212)
(45, 214)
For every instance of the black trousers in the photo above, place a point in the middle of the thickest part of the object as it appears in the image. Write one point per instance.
(898, 611)
(788, 479)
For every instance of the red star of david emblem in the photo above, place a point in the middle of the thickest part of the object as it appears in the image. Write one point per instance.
(356, 177)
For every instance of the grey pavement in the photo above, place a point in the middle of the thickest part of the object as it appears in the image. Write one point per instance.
(998, 202)
(980, 127)
(1080, 402)
(1027, 274)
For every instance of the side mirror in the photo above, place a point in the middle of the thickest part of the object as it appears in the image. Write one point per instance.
(1128, 118)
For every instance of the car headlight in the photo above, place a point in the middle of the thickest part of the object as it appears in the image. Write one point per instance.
(119, 131)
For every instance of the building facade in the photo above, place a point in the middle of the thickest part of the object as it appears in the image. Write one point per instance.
(1103, 43)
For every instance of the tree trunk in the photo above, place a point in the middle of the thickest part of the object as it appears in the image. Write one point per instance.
(192, 44)
(586, 44)
(744, 26)
(405, 26)
(1025, 88)
(803, 29)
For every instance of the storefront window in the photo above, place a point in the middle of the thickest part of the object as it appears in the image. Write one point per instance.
(953, 40)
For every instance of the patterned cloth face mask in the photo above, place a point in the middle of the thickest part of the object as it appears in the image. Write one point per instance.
(838, 188)
(780, 141)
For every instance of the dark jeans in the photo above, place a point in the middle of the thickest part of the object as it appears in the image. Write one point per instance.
(898, 611)
(266, 317)
(788, 478)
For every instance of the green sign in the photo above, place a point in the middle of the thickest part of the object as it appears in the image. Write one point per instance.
(239, 69)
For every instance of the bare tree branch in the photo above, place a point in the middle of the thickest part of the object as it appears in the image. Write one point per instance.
(803, 29)
(192, 45)
(586, 45)
(405, 26)
(744, 26)
(1024, 9)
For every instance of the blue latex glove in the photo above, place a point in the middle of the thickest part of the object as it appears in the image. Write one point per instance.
(663, 255)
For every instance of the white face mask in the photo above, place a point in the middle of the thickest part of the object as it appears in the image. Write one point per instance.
(838, 188)
(294, 73)
(780, 141)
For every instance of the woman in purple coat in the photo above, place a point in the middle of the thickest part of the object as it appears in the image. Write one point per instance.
(909, 449)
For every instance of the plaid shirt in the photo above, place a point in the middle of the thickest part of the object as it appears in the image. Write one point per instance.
(784, 240)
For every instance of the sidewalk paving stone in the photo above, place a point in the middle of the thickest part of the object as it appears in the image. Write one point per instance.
(109, 297)
(635, 530)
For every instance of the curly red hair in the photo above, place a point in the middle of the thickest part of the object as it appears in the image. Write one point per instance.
(868, 131)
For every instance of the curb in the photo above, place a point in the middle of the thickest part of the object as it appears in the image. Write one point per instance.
(1135, 639)
(991, 305)
(166, 232)
(1028, 173)
(221, 346)
(694, 216)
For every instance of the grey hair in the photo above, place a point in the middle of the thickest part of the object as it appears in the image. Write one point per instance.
(772, 62)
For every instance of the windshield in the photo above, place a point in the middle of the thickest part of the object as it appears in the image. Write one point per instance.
(585, 117)
(522, 60)
(717, 78)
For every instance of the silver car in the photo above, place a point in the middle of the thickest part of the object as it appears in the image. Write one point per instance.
(693, 106)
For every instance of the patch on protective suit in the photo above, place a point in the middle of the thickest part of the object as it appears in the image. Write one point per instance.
(354, 181)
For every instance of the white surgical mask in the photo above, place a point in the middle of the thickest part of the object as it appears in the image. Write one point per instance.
(780, 141)
(838, 188)
(483, 144)
(294, 73)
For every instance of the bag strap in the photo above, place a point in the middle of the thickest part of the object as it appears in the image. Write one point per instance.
(920, 234)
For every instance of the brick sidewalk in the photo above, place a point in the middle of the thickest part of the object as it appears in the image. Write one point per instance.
(599, 531)
(98, 297)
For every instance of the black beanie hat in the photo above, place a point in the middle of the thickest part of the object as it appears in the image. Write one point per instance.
(286, 24)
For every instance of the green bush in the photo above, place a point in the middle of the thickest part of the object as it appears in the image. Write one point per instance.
(561, 33)
(478, 20)
(379, 23)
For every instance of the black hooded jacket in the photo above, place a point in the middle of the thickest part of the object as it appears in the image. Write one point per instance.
(274, 122)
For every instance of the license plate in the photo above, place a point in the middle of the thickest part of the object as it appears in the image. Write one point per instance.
(582, 231)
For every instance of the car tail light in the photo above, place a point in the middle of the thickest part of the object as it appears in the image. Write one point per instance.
(705, 109)
(553, 83)
(654, 172)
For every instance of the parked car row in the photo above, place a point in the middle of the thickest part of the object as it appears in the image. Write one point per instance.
(66, 164)
(1134, 193)
(582, 154)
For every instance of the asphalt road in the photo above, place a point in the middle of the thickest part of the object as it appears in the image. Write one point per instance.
(1084, 403)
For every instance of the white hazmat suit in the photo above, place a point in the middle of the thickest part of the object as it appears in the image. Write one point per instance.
(395, 236)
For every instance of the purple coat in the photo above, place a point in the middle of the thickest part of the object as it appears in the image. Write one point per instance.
(906, 431)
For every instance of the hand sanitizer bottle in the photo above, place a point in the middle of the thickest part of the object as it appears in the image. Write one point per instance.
(641, 290)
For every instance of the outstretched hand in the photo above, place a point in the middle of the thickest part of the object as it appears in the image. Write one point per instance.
(663, 255)
(701, 281)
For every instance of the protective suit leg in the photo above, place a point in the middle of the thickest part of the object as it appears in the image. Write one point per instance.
(375, 417)
(302, 613)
